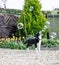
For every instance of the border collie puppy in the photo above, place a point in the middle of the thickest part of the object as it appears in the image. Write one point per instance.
(36, 41)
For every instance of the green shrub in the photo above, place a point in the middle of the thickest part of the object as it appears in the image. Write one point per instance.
(32, 18)
(13, 45)
(50, 42)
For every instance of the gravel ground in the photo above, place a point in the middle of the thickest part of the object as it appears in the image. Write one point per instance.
(29, 57)
(52, 48)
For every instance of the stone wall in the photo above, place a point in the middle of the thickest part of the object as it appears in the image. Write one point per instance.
(26, 57)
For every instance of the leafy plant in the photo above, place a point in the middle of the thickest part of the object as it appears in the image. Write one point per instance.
(32, 18)
(50, 42)
(12, 44)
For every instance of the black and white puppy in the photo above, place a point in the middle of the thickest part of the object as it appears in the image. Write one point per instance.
(36, 41)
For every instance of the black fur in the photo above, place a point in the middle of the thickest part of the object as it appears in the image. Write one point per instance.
(29, 42)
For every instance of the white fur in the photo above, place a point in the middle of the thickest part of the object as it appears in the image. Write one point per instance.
(39, 43)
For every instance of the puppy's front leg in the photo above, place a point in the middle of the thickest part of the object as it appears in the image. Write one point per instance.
(39, 45)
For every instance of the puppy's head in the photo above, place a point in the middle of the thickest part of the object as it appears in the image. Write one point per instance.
(38, 34)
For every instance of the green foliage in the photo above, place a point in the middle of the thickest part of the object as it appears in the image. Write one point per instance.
(46, 12)
(32, 17)
(58, 12)
(17, 33)
(11, 11)
(12, 45)
(50, 42)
